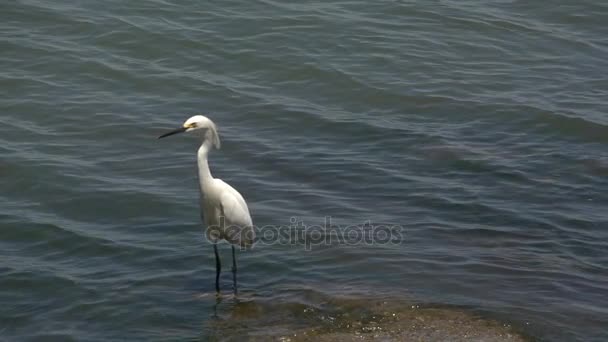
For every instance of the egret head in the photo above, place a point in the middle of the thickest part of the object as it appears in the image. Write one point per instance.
(201, 126)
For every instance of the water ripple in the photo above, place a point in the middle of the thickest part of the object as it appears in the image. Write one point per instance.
(479, 129)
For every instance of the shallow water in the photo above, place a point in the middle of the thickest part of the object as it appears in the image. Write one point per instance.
(476, 130)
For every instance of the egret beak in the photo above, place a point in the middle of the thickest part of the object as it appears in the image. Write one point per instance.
(175, 131)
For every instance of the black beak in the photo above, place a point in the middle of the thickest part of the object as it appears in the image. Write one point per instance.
(175, 131)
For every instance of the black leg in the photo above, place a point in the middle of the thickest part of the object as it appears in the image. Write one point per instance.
(234, 270)
(218, 268)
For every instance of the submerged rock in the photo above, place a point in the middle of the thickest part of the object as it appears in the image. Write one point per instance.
(355, 319)
(413, 324)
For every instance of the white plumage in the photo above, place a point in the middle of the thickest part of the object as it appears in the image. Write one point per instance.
(223, 208)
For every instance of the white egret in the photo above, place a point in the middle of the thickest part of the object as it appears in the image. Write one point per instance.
(224, 210)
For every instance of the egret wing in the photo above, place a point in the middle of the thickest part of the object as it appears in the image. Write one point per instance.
(238, 227)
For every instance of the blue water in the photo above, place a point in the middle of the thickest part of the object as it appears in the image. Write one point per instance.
(478, 129)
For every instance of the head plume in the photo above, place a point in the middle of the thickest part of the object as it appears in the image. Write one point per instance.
(212, 135)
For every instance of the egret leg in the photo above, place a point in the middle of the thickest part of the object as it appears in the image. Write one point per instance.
(218, 268)
(234, 270)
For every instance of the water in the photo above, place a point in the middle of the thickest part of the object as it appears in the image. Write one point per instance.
(480, 128)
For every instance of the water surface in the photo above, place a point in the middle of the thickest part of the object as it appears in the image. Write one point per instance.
(479, 128)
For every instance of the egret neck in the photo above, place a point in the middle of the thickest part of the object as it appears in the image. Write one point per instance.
(204, 173)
